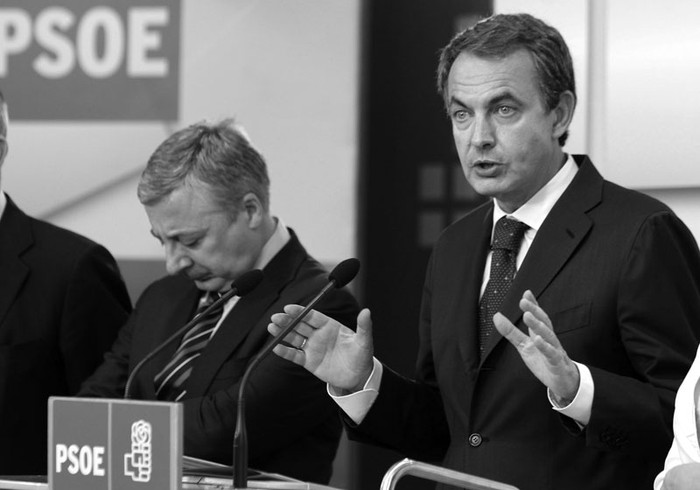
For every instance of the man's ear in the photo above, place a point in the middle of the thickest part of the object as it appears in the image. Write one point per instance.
(3, 150)
(563, 113)
(253, 209)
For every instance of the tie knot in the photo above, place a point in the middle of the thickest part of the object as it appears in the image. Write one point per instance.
(508, 234)
(208, 298)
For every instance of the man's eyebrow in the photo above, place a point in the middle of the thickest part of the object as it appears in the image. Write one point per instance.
(177, 234)
(456, 101)
(507, 96)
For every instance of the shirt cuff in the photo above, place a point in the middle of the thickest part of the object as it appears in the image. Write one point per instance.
(580, 407)
(356, 405)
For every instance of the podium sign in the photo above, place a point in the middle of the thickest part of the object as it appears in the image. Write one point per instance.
(104, 444)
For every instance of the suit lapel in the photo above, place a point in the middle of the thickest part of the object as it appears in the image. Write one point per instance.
(560, 235)
(162, 327)
(15, 237)
(244, 317)
(229, 337)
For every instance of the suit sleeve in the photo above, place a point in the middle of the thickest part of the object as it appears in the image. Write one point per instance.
(659, 321)
(283, 403)
(109, 379)
(96, 305)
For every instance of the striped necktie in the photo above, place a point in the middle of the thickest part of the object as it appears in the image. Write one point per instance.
(170, 380)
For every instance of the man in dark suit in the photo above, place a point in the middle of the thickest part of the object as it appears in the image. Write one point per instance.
(617, 271)
(62, 301)
(206, 192)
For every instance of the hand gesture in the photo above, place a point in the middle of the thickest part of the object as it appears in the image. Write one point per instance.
(683, 477)
(541, 350)
(326, 348)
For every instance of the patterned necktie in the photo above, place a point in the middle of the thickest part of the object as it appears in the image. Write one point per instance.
(507, 236)
(172, 377)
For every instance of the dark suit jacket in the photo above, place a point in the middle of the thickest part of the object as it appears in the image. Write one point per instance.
(62, 301)
(619, 275)
(293, 427)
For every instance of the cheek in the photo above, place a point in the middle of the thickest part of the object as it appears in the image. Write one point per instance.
(522, 148)
(231, 257)
(463, 153)
(200, 260)
(529, 137)
(467, 171)
(209, 257)
(460, 138)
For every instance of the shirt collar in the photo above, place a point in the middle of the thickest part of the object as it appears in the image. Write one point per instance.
(3, 202)
(536, 209)
(274, 244)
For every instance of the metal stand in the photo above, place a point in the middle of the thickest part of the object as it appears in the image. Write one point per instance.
(438, 474)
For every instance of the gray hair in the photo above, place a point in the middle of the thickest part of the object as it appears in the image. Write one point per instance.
(218, 155)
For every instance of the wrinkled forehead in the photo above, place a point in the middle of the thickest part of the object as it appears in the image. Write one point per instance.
(472, 75)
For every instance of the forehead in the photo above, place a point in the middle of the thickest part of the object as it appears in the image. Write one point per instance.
(188, 206)
(474, 76)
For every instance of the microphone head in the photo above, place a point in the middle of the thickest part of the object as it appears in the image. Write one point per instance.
(247, 282)
(344, 272)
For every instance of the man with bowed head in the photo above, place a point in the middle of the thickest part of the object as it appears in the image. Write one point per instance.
(594, 291)
(206, 192)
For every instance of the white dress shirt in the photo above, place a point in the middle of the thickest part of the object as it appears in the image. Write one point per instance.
(3, 202)
(686, 424)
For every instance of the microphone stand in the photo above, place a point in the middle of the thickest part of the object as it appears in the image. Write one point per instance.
(247, 281)
(342, 274)
(240, 438)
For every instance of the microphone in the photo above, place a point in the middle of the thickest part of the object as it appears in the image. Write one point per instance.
(240, 287)
(339, 277)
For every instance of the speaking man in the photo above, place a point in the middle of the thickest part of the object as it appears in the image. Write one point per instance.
(579, 397)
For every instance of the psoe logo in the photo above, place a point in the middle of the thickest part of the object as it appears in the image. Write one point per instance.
(138, 463)
(90, 59)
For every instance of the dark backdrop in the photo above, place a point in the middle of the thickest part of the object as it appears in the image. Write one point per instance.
(410, 184)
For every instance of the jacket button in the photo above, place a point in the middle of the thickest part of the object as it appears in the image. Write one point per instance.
(475, 439)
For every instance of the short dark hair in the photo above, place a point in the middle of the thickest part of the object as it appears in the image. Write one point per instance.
(503, 34)
(218, 155)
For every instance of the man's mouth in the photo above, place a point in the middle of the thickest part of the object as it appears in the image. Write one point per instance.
(485, 164)
(200, 277)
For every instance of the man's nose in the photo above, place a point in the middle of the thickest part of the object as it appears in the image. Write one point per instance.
(483, 133)
(175, 259)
